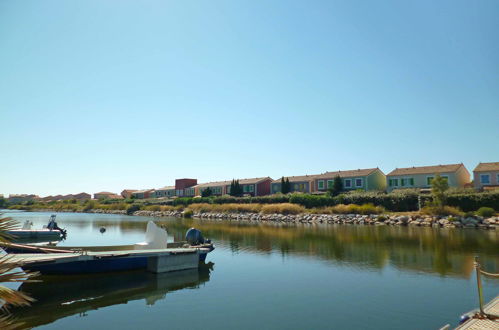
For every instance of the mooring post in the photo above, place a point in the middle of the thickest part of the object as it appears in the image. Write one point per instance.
(479, 285)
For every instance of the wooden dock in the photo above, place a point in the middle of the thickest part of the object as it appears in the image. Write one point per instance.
(492, 308)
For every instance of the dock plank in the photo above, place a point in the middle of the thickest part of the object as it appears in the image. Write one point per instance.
(492, 308)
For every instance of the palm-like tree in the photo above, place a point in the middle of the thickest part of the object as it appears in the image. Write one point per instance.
(10, 272)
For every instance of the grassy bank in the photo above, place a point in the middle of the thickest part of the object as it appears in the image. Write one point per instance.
(458, 203)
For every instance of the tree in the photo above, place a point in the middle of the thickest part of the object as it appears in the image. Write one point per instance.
(10, 272)
(439, 186)
(337, 186)
(285, 185)
(207, 192)
(235, 188)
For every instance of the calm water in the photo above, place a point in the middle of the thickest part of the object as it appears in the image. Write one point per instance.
(269, 276)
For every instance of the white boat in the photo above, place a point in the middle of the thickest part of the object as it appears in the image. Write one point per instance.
(155, 254)
(50, 232)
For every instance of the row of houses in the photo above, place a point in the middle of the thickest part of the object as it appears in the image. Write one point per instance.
(486, 176)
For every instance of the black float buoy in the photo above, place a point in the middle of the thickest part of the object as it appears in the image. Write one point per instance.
(102, 230)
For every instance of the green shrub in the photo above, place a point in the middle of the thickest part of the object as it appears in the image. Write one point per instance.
(132, 209)
(485, 212)
(381, 218)
(188, 213)
(445, 210)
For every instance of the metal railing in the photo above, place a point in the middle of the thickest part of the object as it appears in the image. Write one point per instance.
(479, 272)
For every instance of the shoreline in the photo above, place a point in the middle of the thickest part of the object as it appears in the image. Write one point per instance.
(476, 222)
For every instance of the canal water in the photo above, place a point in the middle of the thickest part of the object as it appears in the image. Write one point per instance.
(267, 276)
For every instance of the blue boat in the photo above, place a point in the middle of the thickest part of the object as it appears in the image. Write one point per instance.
(154, 254)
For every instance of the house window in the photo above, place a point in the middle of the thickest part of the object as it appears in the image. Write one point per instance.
(358, 183)
(497, 178)
(275, 188)
(348, 183)
(393, 182)
(296, 186)
(251, 188)
(320, 184)
(485, 178)
(330, 184)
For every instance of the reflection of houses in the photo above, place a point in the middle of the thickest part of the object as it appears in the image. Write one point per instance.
(107, 195)
(486, 176)
(420, 177)
(365, 179)
(252, 187)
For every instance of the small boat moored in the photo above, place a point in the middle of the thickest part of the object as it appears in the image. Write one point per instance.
(154, 255)
(50, 232)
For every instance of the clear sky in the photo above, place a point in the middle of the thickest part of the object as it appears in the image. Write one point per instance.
(105, 95)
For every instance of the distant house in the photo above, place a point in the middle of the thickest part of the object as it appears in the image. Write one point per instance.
(142, 194)
(127, 193)
(420, 177)
(20, 198)
(106, 195)
(167, 192)
(183, 187)
(363, 179)
(303, 183)
(486, 176)
(252, 187)
(81, 196)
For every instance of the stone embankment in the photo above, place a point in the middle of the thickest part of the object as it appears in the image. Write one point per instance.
(357, 219)
(376, 220)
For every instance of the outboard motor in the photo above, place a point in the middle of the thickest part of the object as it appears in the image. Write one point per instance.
(194, 237)
(53, 226)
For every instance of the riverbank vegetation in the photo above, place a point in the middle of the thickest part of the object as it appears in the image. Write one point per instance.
(455, 202)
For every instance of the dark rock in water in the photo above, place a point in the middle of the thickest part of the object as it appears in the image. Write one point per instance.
(102, 230)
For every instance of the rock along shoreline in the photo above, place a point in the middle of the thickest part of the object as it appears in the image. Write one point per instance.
(490, 223)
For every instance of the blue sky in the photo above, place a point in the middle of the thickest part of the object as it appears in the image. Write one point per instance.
(106, 95)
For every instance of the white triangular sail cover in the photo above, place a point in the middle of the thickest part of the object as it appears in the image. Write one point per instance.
(156, 238)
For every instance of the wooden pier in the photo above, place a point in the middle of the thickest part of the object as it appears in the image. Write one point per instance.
(492, 308)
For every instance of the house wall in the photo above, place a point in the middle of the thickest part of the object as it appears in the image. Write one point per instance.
(420, 180)
(376, 181)
(263, 188)
(352, 186)
(462, 177)
(493, 176)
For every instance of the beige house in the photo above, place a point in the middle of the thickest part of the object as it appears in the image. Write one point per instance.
(420, 177)
(107, 195)
(486, 176)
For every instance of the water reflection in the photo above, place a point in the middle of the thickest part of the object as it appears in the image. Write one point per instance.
(61, 296)
(433, 250)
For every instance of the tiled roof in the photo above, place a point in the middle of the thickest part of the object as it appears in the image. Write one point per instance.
(227, 183)
(166, 188)
(143, 191)
(327, 175)
(484, 167)
(299, 178)
(347, 174)
(426, 169)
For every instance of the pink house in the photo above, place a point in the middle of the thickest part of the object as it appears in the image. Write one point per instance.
(486, 176)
